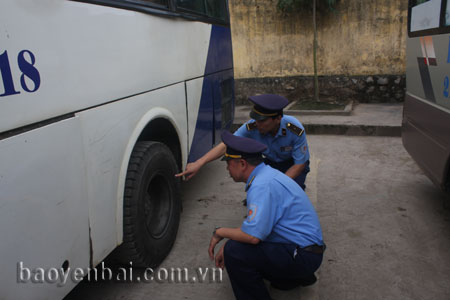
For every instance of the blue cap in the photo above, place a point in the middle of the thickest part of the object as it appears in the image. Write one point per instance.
(241, 147)
(267, 105)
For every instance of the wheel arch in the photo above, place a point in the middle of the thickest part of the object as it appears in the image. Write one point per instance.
(158, 125)
(162, 130)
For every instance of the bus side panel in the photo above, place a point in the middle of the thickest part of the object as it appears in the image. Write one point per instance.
(83, 55)
(223, 103)
(425, 134)
(110, 133)
(194, 90)
(428, 68)
(426, 126)
(218, 70)
(209, 123)
(43, 210)
(202, 137)
(220, 53)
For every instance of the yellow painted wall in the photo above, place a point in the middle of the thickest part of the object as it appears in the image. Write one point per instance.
(363, 37)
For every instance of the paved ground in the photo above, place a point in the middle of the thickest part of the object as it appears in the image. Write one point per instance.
(383, 220)
(387, 233)
(384, 114)
(375, 119)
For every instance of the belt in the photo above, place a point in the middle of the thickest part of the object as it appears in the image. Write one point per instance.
(316, 249)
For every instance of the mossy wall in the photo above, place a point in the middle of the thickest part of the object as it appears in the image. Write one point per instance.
(359, 38)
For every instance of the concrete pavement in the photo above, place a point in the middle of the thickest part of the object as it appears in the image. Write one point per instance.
(386, 231)
(375, 119)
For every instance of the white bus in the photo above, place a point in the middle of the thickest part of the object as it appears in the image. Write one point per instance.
(426, 114)
(101, 103)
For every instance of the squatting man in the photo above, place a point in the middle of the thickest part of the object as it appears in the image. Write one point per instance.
(280, 239)
(287, 149)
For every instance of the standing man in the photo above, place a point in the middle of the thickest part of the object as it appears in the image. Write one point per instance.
(285, 138)
(281, 238)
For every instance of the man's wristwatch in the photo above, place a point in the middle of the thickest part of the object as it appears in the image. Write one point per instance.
(214, 232)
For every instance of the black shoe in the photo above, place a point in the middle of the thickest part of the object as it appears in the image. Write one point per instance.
(289, 285)
(285, 286)
(308, 281)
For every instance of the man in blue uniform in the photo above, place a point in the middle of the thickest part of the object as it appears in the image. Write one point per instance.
(285, 138)
(281, 238)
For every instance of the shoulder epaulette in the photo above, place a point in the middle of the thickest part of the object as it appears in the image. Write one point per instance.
(249, 184)
(297, 130)
(251, 126)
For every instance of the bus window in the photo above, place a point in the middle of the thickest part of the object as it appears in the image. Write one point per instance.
(212, 8)
(193, 5)
(425, 15)
(216, 9)
(447, 14)
(160, 2)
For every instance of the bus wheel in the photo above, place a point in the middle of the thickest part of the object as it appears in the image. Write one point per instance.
(151, 205)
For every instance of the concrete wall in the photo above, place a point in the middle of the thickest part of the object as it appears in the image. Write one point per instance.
(362, 38)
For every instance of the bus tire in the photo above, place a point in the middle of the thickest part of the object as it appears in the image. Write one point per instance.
(152, 205)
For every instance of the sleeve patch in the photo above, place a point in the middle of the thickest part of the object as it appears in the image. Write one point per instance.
(251, 214)
(304, 149)
(297, 130)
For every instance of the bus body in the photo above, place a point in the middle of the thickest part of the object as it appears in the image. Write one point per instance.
(86, 86)
(426, 115)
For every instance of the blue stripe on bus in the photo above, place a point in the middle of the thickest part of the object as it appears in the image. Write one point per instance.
(220, 51)
(207, 129)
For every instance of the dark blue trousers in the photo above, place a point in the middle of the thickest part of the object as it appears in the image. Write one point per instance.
(285, 165)
(247, 265)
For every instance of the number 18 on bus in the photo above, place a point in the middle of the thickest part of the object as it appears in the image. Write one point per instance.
(102, 102)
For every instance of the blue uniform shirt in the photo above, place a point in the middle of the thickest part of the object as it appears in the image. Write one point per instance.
(279, 211)
(286, 144)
